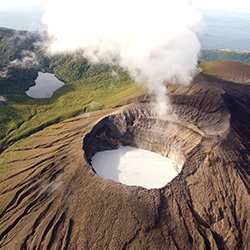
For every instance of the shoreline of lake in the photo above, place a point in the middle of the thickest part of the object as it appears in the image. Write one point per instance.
(46, 85)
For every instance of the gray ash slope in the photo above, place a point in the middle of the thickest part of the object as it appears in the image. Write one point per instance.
(51, 199)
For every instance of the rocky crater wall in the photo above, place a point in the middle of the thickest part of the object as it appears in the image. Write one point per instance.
(174, 135)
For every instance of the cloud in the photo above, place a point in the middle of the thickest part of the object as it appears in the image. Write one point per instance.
(227, 5)
(4, 72)
(13, 4)
(28, 59)
(154, 40)
(3, 98)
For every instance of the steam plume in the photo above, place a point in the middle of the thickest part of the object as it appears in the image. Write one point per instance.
(154, 39)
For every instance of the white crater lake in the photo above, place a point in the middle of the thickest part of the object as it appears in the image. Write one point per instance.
(134, 166)
(46, 85)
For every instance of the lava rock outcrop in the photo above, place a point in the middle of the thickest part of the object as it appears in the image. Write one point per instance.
(51, 198)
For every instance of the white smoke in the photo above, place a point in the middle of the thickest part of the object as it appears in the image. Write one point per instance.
(4, 72)
(154, 40)
(28, 59)
(3, 98)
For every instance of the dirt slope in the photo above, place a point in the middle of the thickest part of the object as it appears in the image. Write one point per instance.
(232, 71)
(51, 199)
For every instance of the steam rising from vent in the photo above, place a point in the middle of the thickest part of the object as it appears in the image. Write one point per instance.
(154, 40)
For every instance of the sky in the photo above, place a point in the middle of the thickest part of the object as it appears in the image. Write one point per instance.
(30, 12)
(229, 5)
(144, 36)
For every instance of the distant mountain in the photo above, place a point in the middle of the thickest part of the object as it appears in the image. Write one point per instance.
(225, 30)
(22, 18)
(225, 55)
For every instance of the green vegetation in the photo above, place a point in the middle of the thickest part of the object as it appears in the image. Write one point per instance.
(225, 55)
(14, 45)
(87, 87)
(204, 66)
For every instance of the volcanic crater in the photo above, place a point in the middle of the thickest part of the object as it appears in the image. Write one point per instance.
(139, 127)
(174, 135)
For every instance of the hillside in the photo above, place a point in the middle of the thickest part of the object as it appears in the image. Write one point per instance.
(225, 55)
(51, 199)
(232, 71)
(87, 86)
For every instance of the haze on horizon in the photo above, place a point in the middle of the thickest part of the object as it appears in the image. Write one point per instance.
(230, 32)
(240, 5)
(146, 38)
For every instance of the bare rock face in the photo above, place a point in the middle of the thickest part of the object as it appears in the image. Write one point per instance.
(50, 198)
